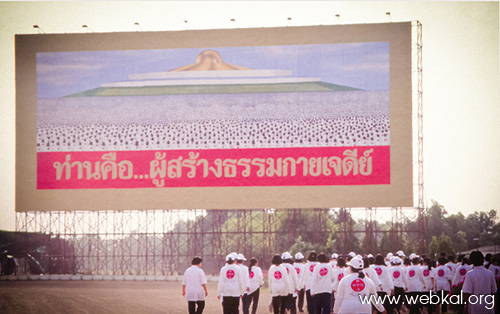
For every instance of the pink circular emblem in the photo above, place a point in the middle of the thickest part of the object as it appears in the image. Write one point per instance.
(412, 273)
(340, 276)
(230, 274)
(463, 271)
(426, 272)
(358, 285)
(440, 273)
(297, 270)
(251, 274)
(378, 270)
(277, 275)
(396, 274)
(449, 267)
(323, 272)
(311, 268)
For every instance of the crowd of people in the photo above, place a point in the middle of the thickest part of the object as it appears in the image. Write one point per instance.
(213, 134)
(321, 284)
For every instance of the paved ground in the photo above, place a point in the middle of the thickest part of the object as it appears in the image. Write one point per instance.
(97, 297)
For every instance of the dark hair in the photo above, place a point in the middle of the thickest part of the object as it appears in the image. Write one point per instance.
(442, 260)
(312, 257)
(432, 264)
(230, 261)
(253, 261)
(443, 254)
(322, 258)
(360, 272)
(366, 263)
(415, 260)
(379, 260)
(465, 261)
(451, 258)
(477, 258)
(371, 260)
(428, 262)
(276, 260)
(196, 260)
(495, 259)
(341, 262)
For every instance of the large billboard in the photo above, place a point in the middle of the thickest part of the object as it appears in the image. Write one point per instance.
(316, 116)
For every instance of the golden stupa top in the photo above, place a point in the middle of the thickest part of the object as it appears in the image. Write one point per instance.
(209, 60)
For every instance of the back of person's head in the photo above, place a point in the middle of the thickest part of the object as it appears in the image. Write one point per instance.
(371, 260)
(443, 254)
(477, 258)
(495, 260)
(379, 260)
(253, 262)
(407, 261)
(357, 266)
(487, 257)
(322, 258)
(276, 260)
(442, 260)
(416, 260)
(196, 260)
(432, 264)
(341, 262)
(465, 261)
(366, 263)
(312, 257)
(451, 258)
(460, 258)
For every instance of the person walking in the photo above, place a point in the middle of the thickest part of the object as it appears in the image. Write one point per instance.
(321, 290)
(231, 285)
(299, 268)
(194, 286)
(256, 281)
(278, 285)
(479, 282)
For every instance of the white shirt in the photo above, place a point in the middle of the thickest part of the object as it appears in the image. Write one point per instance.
(277, 279)
(299, 269)
(323, 277)
(428, 277)
(348, 295)
(370, 273)
(306, 280)
(442, 278)
(480, 281)
(415, 279)
(231, 282)
(194, 278)
(338, 275)
(256, 278)
(384, 277)
(460, 273)
(245, 275)
(292, 277)
(496, 271)
(398, 276)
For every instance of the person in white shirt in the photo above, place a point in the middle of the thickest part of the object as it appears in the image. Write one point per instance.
(451, 265)
(256, 281)
(194, 286)
(415, 283)
(293, 284)
(299, 268)
(278, 285)
(495, 269)
(443, 282)
(231, 285)
(460, 272)
(307, 281)
(428, 272)
(479, 285)
(338, 274)
(397, 274)
(321, 289)
(244, 273)
(354, 287)
(385, 280)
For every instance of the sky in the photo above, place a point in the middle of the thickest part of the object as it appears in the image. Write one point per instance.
(358, 65)
(461, 101)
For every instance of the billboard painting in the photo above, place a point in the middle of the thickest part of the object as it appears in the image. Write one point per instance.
(247, 118)
(282, 115)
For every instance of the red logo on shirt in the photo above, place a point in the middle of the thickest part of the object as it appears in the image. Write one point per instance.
(323, 272)
(449, 267)
(396, 274)
(412, 273)
(230, 274)
(378, 270)
(251, 274)
(311, 268)
(358, 285)
(277, 275)
(462, 271)
(341, 275)
(440, 273)
(426, 272)
(297, 270)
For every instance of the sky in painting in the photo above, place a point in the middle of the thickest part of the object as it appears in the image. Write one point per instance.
(359, 65)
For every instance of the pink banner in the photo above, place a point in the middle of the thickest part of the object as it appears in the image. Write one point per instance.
(360, 165)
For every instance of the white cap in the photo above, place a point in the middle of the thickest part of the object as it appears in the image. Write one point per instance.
(369, 256)
(335, 256)
(352, 254)
(357, 263)
(400, 253)
(396, 260)
(232, 256)
(286, 255)
(299, 256)
(413, 255)
(389, 255)
(241, 257)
